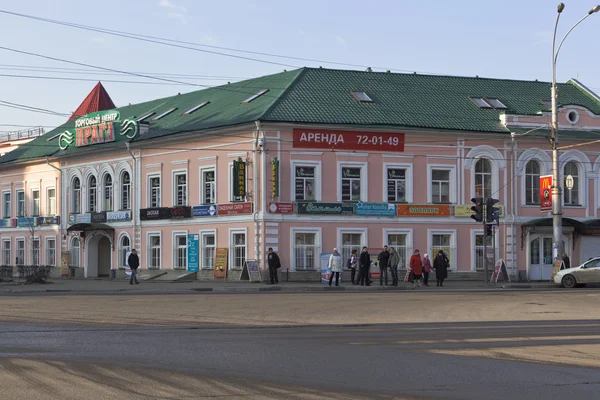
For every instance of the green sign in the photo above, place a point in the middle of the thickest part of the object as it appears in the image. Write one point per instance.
(275, 177)
(239, 178)
(325, 208)
(96, 128)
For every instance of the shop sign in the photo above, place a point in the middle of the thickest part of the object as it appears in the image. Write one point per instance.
(220, 271)
(281, 208)
(546, 193)
(27, 222)
(239, 178)
(118, 216)
(99, 217)
(375, 209)
(348, 140)
(235, 208)
(275, 177)
(205, 211)
(49, 220)
(414, 210)
(152, 214)
(192, 242)
(464, 210)
(96, 128)
(80, 219)
(8, 223)
(325, 208)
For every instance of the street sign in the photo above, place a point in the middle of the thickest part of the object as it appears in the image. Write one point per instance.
(569, 182)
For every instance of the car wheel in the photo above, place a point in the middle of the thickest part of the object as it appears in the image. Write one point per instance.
(568, 281)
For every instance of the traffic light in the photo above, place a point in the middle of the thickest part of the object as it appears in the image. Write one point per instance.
(477, 209)
(491, 211)
(489, 230)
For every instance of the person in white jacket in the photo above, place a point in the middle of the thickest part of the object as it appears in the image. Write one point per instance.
(335, 265)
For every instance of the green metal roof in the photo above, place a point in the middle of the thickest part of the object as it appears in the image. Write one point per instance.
(322, 96)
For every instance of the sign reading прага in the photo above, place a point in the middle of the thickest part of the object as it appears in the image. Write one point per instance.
(99, 127)
(348, 140)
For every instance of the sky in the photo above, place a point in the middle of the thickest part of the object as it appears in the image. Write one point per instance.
(509, 39)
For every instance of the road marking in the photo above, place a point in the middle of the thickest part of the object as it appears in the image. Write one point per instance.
(482, 340)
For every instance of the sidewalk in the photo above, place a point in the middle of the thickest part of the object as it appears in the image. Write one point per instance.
(105, 286)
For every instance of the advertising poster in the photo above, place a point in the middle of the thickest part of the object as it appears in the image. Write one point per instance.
(192, 253)
(220, 263)
(546, 193)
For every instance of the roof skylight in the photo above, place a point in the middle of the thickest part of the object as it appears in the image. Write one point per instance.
(495, 102)
(143, 117)
(196, 108)
(164, 114)
(362, 97)
(480, 102)
(547, 103)
(255, 96)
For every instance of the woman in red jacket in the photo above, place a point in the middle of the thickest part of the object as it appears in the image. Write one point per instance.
(416, 267)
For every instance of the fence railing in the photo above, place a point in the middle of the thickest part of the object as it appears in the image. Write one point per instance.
(26, 273)
(22, 134)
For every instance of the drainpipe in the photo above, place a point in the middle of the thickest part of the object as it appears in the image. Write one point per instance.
(133, 188)
(60, 188)
(514, 203)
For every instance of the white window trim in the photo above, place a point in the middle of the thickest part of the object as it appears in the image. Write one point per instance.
(10, 260)
(230, 183)
(31, 190)
(149, 176)
(583, 182)
(149, 249)
(305, 163)
(17, 203)
(46, 239)
(120, 248)
(103, 192)
(340, 231)
(202, 170)
(409, 240)
(453, 187)
(174, 244)
(88, 192)
(47, 205)
(452, 233)
(72, 194)
(409, 180)
(174, 174)
(70, 249)
(364, 173)
(233, 231)
(318, 244)
(10, 201)
(206, 232)
(480, 232)
(495, 177)
(24, 240)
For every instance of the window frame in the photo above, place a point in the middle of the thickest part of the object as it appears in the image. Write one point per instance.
(149, 178)
(149, 249)
(4, 208)
(20, 203)
(474, 234)
(364, 232)
(49, 202)
(205, 233)
(4, 249)
(408, 167)
(33, 202)
(453, 244)
(176, 248)
(364, 173)
(21, 239)
(71, 251)
(76, 194)
(409, 241)
(35, 239)
(47, 258)
(580, 189)
(202, 196)
(175, 194)
(453, 195)
(318, 177)
(92, 194)
(232, 247)
(318, 232)
(120, 248)
(526, 177)
(111, 198)
(485, 176)
(125, 189)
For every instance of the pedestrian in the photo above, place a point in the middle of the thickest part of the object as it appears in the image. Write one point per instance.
(441, 265)
(383, 258)
(353, 266)
(134, 262)
(393, 264)
(365, 264)
(427, 268)
(274, 265)
(416, 268)
(566, 260)
(335, 265)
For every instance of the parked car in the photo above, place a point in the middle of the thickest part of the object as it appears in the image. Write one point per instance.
(588, 272)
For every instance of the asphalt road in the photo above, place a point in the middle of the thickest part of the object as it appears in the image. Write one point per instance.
(410, 360)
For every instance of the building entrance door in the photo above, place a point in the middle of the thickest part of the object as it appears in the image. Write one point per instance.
(540, 258)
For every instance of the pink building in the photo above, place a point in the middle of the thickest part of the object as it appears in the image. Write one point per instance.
(305, 161)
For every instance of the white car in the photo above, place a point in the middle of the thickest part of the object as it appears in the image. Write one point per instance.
(588, 272)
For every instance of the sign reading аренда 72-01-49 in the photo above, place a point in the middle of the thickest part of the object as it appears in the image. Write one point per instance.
(348, 140)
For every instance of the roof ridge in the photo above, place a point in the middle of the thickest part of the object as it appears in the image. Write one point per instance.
(301, 72)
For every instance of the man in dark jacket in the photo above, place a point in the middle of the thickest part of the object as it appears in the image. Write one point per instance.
(365, 264)
(274, 265)
(566, 260)
(383, 258)
(134, 262)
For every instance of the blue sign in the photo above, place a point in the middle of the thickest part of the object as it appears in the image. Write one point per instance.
(8, 223)
(375, 209)
(205, 211)
(27, 222)
(49, 220)
(192, 253)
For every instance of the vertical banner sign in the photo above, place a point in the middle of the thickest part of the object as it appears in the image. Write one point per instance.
(220, 263)
(275, 177)
(192, 253)
(239, 178)
(546, 193)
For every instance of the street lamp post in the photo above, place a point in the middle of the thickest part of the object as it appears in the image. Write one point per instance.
(557, 209)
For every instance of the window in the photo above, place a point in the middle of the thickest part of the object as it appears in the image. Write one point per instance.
(93, 194)
(305, 251)
(164, 114)
(20, 259)
(573, 117)
(479, 240)
(209, 186)
(238, 250)
(51, 201)
(495, 103)
(20, 203)
(154, 191)
(35, 201)
(180, 251)
(532, 182)
(196, 108)
(441, 242)
(351, 184)
(480, 102)
(231, 177)
(483, 178)
(396, 185)
(398, 241)
(180, 180)
(254, 97)
(108, 193)
(76, 202)
(125, 191)
(35, 251)
(6, 260)
(305, 183)
(6, 211)
(124, 247)
(440, 186)
(50, 251)
(209, 245)
(75, 252)
(154, 251)
(351, 241)
(362, 97)
(571, 197)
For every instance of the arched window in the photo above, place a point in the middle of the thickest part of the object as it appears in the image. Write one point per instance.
(93, 194)
(571, 196)
(124, 247)
(532, 182)
(483, 178)
(125, 191)
(76, 196)
(75, 246)
(108, 193)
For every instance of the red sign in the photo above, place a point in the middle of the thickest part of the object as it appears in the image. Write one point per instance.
(348, 140)
(546, 193)
(235, 208)
(281, 208)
